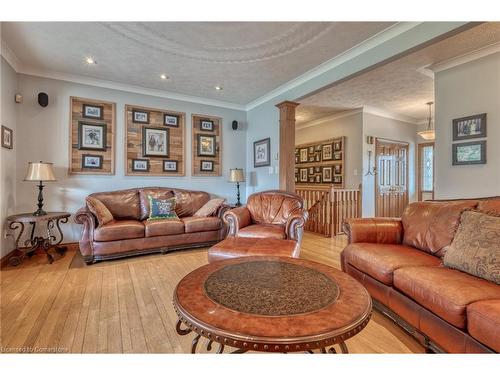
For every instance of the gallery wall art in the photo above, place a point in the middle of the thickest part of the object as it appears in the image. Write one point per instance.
(206, 146)
(320, 162)
(92, 136)
(466, 128)
(155, 142)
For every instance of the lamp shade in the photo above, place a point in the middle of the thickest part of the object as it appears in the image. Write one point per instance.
(236, 175)
(40, 172)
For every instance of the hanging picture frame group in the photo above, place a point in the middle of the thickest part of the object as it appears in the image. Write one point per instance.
(206, 145)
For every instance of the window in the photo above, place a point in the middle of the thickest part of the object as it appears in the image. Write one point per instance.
(426, 171)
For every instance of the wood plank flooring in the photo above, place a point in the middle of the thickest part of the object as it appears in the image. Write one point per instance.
(124, 306)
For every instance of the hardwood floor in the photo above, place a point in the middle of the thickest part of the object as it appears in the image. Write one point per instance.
(124, 306)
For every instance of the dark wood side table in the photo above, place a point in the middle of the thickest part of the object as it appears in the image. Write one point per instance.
(51, 220)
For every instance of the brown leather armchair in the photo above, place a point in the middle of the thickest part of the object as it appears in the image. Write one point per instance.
(269, 214)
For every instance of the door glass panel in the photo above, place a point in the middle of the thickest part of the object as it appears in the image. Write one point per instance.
(427, 168)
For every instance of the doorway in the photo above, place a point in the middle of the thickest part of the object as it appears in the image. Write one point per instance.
(391, 186)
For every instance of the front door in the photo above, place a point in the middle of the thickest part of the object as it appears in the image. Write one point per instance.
(391, 188)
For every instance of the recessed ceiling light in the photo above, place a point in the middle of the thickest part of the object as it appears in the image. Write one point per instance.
(218, 88)
(90, 61)
(163, 76)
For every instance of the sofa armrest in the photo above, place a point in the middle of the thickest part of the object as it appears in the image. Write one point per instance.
(294, 226)
(85, 217)
(237, 218)
(223, 208)
(383, 230)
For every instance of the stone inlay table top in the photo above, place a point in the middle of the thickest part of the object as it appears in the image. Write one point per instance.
(271, 304)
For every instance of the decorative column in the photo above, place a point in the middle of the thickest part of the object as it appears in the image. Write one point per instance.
(287, 145)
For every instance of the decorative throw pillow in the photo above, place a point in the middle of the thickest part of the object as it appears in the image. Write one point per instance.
(99, 210)
(210, 207)
(162, 208)
(476, 246)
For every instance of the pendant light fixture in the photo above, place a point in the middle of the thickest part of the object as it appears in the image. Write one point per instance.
(430, 133)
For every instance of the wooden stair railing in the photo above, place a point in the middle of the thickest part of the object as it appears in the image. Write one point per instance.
(329, 207)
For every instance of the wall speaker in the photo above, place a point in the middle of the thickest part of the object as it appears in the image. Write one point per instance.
(43, 99)
(235, 125)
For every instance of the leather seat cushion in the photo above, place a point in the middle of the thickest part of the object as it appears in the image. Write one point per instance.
(483, 322)
(201, 224)
(263, 231)
(445, 292)
(380, 261)
(168, 227)
(119, 230)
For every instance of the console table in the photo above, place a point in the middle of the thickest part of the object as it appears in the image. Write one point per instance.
(51, 220)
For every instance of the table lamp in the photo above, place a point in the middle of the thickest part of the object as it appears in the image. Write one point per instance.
(40, 172)
(237, 175)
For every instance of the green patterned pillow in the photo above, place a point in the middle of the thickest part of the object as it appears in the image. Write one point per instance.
(161, 209)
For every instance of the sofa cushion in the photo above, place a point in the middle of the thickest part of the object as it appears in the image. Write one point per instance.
(99, 210)
(188, 202)
(263, 231)
(167, 227)
(380, 261)
(201, 224)
(209, 208)
(430, 226)
(444, 291)
(123, 204)
(476, 246)
(490, 205)
(483, 322)
(155, 192)
(119, 230)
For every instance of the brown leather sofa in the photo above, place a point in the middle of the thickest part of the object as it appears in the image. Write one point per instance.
(399, 261)
(131, 234)
(271, 223)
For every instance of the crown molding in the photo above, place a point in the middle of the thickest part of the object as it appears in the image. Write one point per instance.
(387, 114)
(345, 56)
(465, 58)
(329, 118)
(10, 56)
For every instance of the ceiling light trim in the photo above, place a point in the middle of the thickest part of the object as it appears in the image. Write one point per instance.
(335, 116)
(366, 45)
(465, 58)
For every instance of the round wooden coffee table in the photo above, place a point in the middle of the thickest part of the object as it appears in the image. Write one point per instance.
(271, 304)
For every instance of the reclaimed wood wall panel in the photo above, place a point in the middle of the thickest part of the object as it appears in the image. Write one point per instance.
(134, 147)
(75, 154)
(217, 159)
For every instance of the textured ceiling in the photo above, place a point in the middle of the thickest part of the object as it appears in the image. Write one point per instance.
(248, 59)
(397, 87)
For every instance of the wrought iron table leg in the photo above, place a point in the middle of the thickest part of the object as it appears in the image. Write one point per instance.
(220, 350)
(181, 331)
(18, 255)
(194, 343)
(343, 347)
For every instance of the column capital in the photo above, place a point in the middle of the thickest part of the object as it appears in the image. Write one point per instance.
(287, 103)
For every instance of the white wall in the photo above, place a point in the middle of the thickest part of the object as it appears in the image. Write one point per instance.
(349, 125)
(43, 133)
(464, 90)
(383, 127)
(7, 157)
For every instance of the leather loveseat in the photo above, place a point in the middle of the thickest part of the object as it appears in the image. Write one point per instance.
(130, 233)
(271, 223)
(399, 261)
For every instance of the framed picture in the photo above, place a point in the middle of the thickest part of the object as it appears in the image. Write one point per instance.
(337, 169)
(317, 169)
(311, 170)
(469, 127)
(317, 148)
(92, 161)
(469, 153)
(7, 137)
(311, 159)
(206, 145)
(303, 155)
(91, 136)
(95, 112)
(311, 149)
(297, 159)
(337, 179)
(318, 158)
(311, 179)
(327, 174)
(169, 165)
(140, 165)
(303, 174)
(154, 142)
(206, 166)
(140, 117)
(327, 152)
(337, 146)
(262, 153)
(337, 156)
(171, 120)
(296, 178)
(207, 125)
